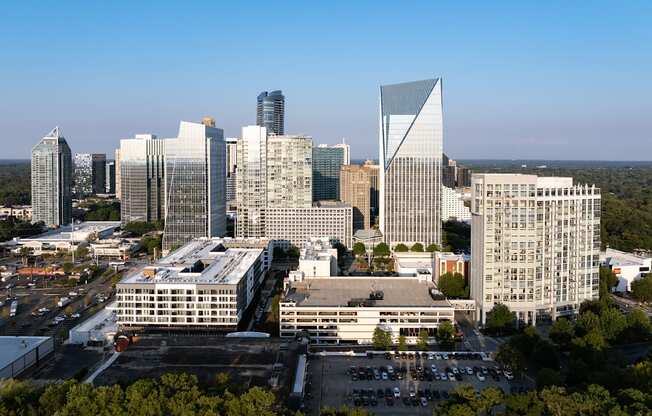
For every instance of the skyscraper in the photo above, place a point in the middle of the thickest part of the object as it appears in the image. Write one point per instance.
(52, 180)
(231, 167)
(110, 177)
(410, 137)
(355, 189)
(270, 111)
(535, 245)
(251, 182)
(118, 189)
(195, 185)
(289, 172)
(326, 164)
(89, 176)
(142, 179)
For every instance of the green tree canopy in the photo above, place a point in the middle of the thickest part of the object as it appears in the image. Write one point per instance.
(423, 340)
(359, 249)
(446, 333)
(402, 343)
(431, 248)
(400, 248)
(382, 339)
(453, 285)
(417, 247)
(562, 332)
(501, 320)
(642, 288)
(381, 250)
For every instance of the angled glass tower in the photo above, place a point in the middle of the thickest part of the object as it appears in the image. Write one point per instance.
(410, 136)
(52, 180)
(270, 111)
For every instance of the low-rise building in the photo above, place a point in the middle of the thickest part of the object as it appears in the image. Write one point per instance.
(114, 247)
(347, 310)
(20, 353)
(66, 238)
(21, 212)
(412, 263)
(294, 226)
(626, 266)
(208, 283)
(99, 329)
(318, 258)
(451, 263)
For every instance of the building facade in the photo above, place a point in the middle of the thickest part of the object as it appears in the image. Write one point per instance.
(270, 111)
(535, 245)
(52, 180)
(142, 179)
(208, 283)
(118, 185)
(251, 182)
(109, 186)
(231, 168)
(89, 176)
(326, 164)
(347, 310)
(627, 267)
(195, 185)
(453, 207)
(295, 226)
(289, 172)
(411, 135)
(356, 190)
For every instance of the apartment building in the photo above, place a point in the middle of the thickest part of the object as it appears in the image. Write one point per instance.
(347, 310)
(535, 245)
(289, 172)
(206, 284)
(453, 207)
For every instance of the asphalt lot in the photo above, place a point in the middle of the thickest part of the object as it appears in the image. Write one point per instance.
(331, 384)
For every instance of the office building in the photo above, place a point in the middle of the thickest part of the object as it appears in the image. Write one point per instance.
(289, 172)
(453, 207)
(374, 170)
(66, 238)
(195, 185)
(535, 245)
(142, 177)
(317, 258)
(463, 177)
(347, 152)
(251, 182)
(411, 134)
(356, 190)
(208, 283)
(20, 353)
(270, 111)
(347, 310)
(109, 186)
(326, 164)
(231, 168)
(118, 188)
(626, 266)
(296, 225)
(52, 180)
(89, 174)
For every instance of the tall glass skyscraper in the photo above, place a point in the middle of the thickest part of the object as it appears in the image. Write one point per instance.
(142, 178)
(326, 164)
(195, 184)
(410, 136)
(89, 175)
(270, 111)
(52, 180)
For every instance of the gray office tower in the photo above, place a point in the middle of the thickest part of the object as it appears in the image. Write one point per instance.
(195, 185)
(109, 186)
(52, 180)
(270, 112)
(327, 162)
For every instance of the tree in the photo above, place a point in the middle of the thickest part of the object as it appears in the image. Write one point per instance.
(638, 326)
(68, 310)
(642, 288)
(417, 247)
(612, 324)
(400, 248)
(138, 228)
(293, 252)
(278, 253)
(510, 357)
(382, 339)
(587, 322)
(501, 320)
(544, 355)
(402, 343)
(453, 285)
(423, 339)
(381, 250)
(446, 333)
(67, 267)
(608, 280)
(547, 377)
(359, 249)
(81, 252)
(432, 248)
(562, 332)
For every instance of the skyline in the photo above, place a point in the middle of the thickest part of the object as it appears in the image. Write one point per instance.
(520, 81)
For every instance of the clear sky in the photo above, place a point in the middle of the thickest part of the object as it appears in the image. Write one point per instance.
(521, 79)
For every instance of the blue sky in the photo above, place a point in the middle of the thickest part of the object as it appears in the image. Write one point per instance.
(561, 80)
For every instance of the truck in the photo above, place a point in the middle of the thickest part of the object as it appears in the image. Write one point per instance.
(63, 302)
(13, 308)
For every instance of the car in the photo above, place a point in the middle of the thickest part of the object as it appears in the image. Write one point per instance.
(455, 370)
(403, 355)
(399, 376)
(438, 376)
(390, 369)
(458, 377)
(72, 293)
(388, 356)
(389, 401)
(484, 370)
(480, 376)
(437, 356)
(413, 392)
(431, 355)
(451, 376)
(469, 371)
(384, 376)
(397, 392)
(433, 368)
(75, 315)
(424, 402)
(508, 375)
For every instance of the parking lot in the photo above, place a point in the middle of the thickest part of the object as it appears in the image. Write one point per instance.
(413, 385)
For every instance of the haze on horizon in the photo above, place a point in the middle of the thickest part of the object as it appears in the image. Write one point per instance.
(521, 80)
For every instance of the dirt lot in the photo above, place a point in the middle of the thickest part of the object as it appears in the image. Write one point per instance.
(332, 386)
(249, 362)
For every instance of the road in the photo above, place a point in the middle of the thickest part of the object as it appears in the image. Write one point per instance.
(627, 304)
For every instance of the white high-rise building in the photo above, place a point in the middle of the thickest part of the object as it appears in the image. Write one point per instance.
(347, 152)
(411, 134)
(52, 180)
(289, 172)
(251, 182)
(195, 186)
(452, 205)
(535, 245)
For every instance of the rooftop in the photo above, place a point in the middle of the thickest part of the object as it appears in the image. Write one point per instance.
(12, 348)
(81, 231)
(338, 291)
(203, 260)
(621, 258)
(317, 249)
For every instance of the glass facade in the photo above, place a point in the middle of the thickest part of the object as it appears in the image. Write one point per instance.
(195, 185)
(411, 135)
(326, 164)
(270, 111)
(52, 180)
(142, 179)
